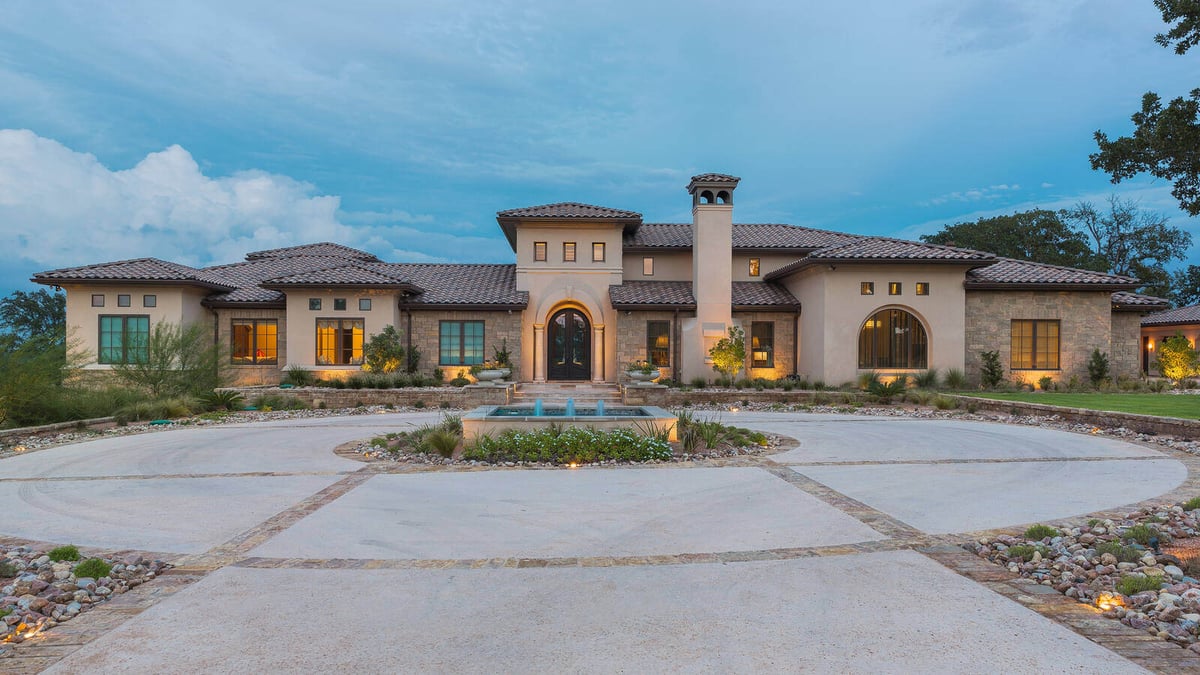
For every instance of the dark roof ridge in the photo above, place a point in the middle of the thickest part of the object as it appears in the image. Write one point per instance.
(1128, 279)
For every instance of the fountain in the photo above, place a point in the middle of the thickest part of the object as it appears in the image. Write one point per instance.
(570, 407)
(537, 408)
(495, 419)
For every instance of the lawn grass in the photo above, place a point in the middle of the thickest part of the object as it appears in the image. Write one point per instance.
(1162, 405)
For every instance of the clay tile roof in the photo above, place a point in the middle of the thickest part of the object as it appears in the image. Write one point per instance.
(137, 270)
(759, 294)
(745, 236)
(715, 178)
(247, 276)
(345, 275)
(569, 210)
(1136, 301)
(1007, 272)
(665, 294)
(1172, 317)
(478, 285)
(323, 248)
(886, 249)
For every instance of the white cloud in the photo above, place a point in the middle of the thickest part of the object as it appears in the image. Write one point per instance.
(972, 195)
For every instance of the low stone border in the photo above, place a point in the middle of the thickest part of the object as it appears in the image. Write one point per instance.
(1145, 424)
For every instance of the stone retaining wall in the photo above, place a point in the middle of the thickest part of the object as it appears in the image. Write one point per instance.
(1146, 424)
(665, 397)
(432, 397)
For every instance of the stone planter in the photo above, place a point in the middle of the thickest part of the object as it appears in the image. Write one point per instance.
(492, 376)
(639, 378)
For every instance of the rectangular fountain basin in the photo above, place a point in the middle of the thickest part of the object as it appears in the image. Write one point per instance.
(495, 419)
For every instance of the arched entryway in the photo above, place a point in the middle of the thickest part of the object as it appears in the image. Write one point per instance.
(568, 346)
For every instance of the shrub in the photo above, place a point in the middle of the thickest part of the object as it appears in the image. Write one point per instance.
(729, 354)
(384, 352)
(443, 441)
(944, 402)
(278, 402)
(926, 379)
(866, 379)
(418, 404)
(93, 568)
(1136, 583)
(178, 360)
(299, 377)
(1157, 386)
(1097, 367)
(1045, 382)
(7, 570)
(223, 399)
(885, 391)
(819, 385)
(1122, 553)
(956, 379)
(159, 409)
(1039, 532)
(1024, 552)
(1142, 534)
(580, 445)
(1192, 504)
(1177, 360)
(991, 373)
(699, 382)
(62, 553)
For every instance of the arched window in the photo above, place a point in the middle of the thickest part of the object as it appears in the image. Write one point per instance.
(723, 197)
(706, 197)
(893, 338)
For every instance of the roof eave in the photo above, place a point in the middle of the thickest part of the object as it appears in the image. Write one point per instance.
(401, 286)
(244, 304)
(471, 307)
(49, 281)
(1044, 286)
(789, 307)
(652, 306)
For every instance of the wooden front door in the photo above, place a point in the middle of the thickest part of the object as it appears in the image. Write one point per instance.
(569, 346)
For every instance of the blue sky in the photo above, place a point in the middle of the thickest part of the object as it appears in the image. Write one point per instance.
(200, 131)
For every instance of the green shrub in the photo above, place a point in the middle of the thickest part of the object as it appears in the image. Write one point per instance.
(418, 404)
(956, 379)
(160, 409)
(581, 445)
(866, 379)
(443, 441)
(1024, 552)
(223, 399)
(699, 382)
(1045, 382)
(178, 361)
(926, 379)
(886, 391)
(1142, 534)
(1039, 532)
(7, 570)
(1136, 583)
(278, 402)
(819, 385)
(62, 553)
(944, 402)
(991, 373)
(1122, 553)
(299, 377)
(94, 568)
(1177, 359)
(384, 352)
(1157, 386)
(1192, 504)
(1097, 367)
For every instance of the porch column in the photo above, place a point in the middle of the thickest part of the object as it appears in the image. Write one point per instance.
(539, 352)
(598, 352)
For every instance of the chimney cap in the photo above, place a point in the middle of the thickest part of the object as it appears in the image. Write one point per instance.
(713, 180)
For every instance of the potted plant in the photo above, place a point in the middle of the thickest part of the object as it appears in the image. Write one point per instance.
(488, 372)
(641, 371)
(501, 357)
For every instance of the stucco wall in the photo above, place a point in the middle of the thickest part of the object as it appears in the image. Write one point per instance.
(1085, 324)
(174, 304)
(1125, 344)
(499, 329)
(668, 266)
(302, 323)
(242, 375)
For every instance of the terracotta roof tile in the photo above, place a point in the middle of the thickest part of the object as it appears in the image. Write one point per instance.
(1179, 315)
(569, 210)
(463, 284)
(247, 276)
(344, 275)
(745, 236)
(139, 270)
(1007, 271)
(886, 249)
(323, 248)
(653, 293)
(715, 178)
(762, 294)
(1126, 299)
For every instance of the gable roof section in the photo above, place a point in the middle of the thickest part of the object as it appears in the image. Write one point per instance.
(509, 219)
(139, 270)
(323, 248)
(1124, 301)
(463, 286)
(1007, 273)
(757, 294)
(885, 250)
(1174, 317)
(745, 236)
(344, 275)
(678, 295)
(246, 277)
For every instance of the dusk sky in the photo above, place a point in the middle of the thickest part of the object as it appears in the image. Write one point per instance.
(200, 131)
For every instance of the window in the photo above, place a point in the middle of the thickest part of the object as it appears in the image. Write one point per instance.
(894, 287)
(754, 266)
(339, 304)
(539, 251)
(149, 301)
(123, 300)
(254, 340)
(648, 267)
(314, 303)
(658, 343)
(598, 251)
(568, 251)
(460, 343)
(364, 304)
(922, 288)
(892, 338)
(339, 341)
(124, 339)
(866, 288)
(762, 344)
(97, 300)
(1035, 345)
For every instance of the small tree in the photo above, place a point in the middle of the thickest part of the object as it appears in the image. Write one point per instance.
(729, 354)
(178, 360)
(1098, 367)
(384, 352)
(991, 372)
(1177, 359)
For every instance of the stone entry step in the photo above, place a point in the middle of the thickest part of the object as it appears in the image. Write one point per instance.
(559, 392)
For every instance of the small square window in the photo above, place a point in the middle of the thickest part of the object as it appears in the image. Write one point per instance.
(754, 267)
(339, 304)
(648, 267)
(866, 288)
(314, 303)
(539, 251)
(922, 288)
(598, 251)
(123, 300)
(97, 300)
(568, 251)
(149, 301)
(364, 304)
(894, 288)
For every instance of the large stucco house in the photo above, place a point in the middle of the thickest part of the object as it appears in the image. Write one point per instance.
(593, 288)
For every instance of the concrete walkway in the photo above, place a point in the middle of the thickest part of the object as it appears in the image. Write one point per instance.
(828, 557)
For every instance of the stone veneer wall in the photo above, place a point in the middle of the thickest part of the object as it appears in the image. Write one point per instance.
(1125, 351)
(500, 328)
(1085, 324)
(785, 343)
(435, 397)
(243, 375)
(631, 339)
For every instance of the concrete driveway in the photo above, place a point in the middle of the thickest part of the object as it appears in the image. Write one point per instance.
(828, 557)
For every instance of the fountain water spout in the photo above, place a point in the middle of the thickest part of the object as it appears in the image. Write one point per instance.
(537, 408)
(570, 407)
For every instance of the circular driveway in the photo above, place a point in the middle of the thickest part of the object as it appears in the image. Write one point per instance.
(773, 563)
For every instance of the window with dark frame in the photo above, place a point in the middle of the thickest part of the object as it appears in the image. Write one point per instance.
(762, 344)
(460, 343)
(658, 343)
(124, 339)
(922, 288)
(866, 288)
(539, 251)
(597, 251)
(1035, 344)
(568, 251)
(339, 342)
(314, 304)
(364, 304)
(648, 266)
(754, 267)
(892, 338)
(149, 301)
(339, 304)
(97, 299)
(124, 300)
(895, 288)
(254, 341)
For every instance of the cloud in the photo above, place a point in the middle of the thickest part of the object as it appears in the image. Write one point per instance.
(972, 195)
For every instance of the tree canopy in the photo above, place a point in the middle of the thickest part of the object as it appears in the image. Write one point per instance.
(40, 315)
(1164, 139)
(1038, 235)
